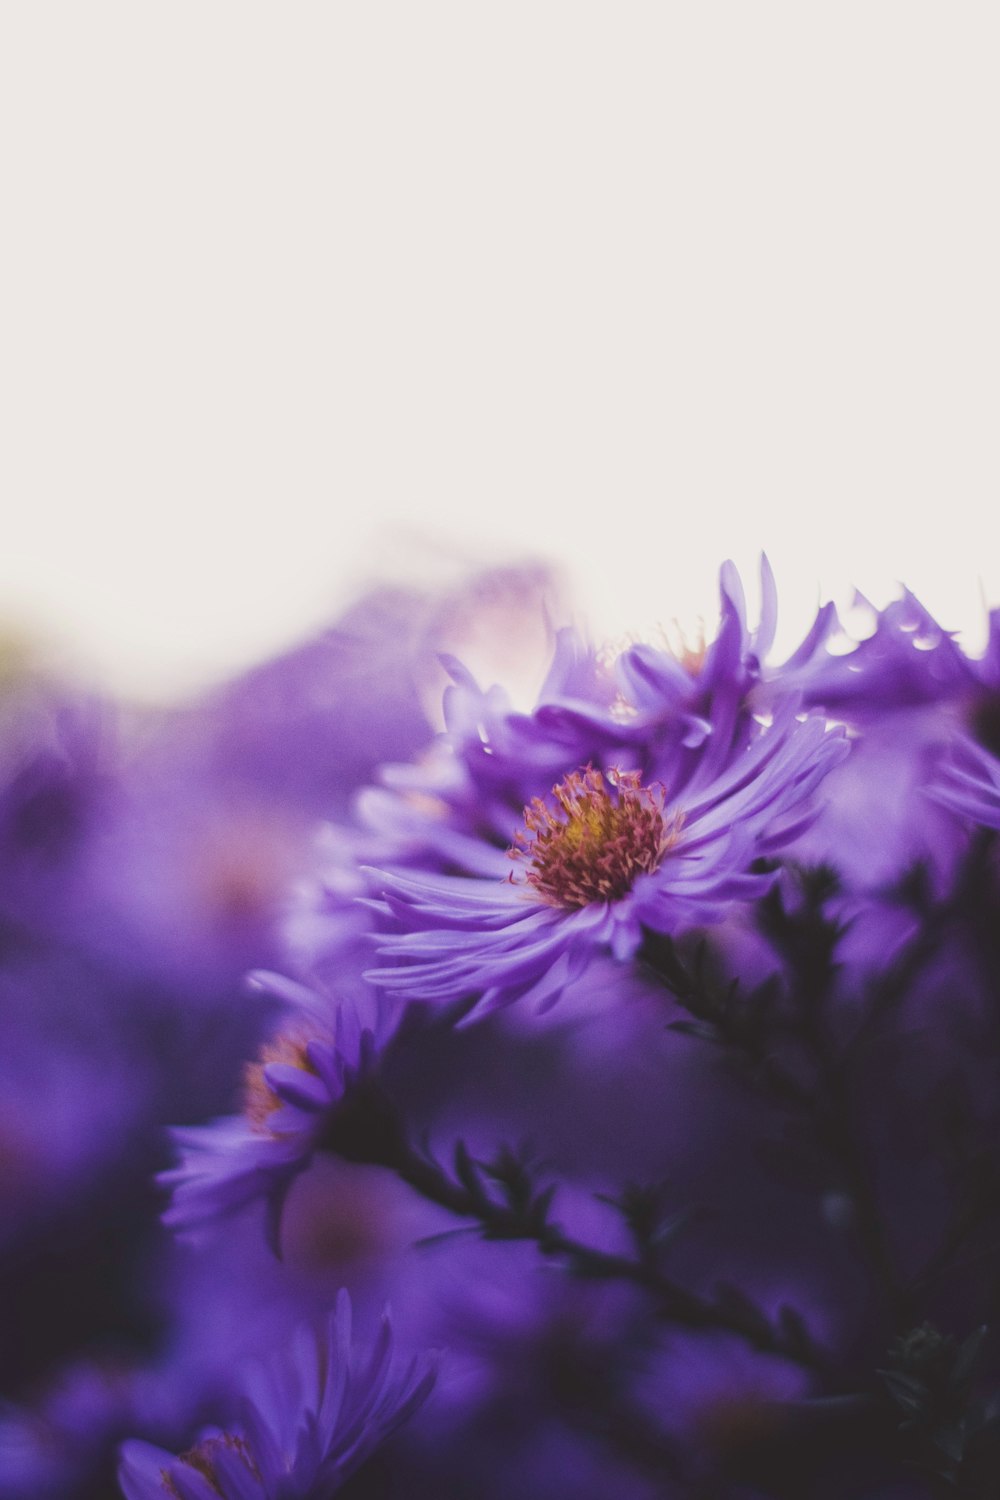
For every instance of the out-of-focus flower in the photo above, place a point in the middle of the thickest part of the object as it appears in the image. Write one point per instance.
(291, 1096)
(673, 686)
(307, 1424)
(902, 690)
(907, 660)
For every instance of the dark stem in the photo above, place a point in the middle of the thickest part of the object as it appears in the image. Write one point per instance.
(467, 1196)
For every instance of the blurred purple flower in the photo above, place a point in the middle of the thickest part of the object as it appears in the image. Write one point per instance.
(291, 1095)
(907, 660)
(307, 1424)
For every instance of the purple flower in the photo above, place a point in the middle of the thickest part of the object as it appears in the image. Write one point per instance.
(290, 1097)
(606, 855)
(633, 711)
(307, 1424)
(676, 688)
(645, 697)
(908, 660)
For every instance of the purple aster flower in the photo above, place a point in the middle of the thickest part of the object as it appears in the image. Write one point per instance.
(594, 708)
(677, 693)
(605, 856)
(646, 696)
(492, 750)
(908, 660)
(676, 688)
(900, 690)
(307, 1424)
(291, 1096)
(968, 783)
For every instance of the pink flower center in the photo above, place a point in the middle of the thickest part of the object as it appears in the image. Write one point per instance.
(603, 834)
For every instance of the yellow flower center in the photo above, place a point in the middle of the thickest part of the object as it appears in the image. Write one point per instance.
(259, 1099)
(602, 836)
(201, 1458)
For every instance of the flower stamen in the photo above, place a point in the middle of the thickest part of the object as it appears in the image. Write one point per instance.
(605, 834)
(259, 1100)
(201, 1458)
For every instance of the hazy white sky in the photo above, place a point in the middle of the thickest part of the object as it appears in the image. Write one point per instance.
(286, 288)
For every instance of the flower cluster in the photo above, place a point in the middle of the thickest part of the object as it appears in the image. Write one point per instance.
(640, 1046)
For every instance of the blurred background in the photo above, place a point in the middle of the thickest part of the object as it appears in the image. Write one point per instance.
(295, 300)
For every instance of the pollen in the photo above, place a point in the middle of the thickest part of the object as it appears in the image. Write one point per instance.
(259, 1099)
(688, 649)
(603, 833)
(201, 1459)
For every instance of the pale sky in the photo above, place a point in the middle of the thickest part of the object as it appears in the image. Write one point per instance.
(299, 296)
